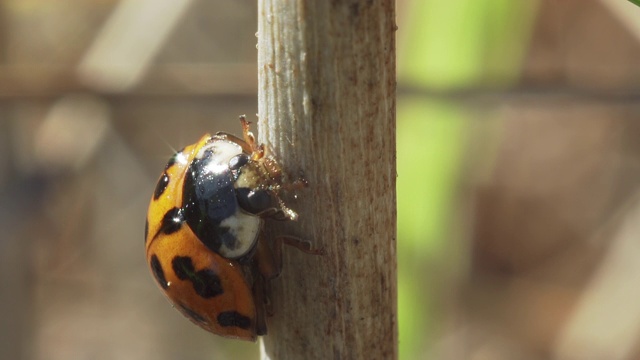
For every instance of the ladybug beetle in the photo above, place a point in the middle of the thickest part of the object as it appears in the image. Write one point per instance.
(203, 233)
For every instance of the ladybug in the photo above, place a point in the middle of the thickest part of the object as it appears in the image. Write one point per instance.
(203, 233)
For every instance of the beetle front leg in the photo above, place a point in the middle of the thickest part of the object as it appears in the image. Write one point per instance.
(245, 147)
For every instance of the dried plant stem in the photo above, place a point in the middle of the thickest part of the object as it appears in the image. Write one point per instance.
(327, 110)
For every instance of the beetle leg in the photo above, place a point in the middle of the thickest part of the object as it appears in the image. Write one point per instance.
(269, 258)
(226, 136)
(297, 184)
(268, 305)
(260, 296)
(248, 141)
(268, 266)
(257, 151)
(267, 262)
(300, 244)
(281, 214)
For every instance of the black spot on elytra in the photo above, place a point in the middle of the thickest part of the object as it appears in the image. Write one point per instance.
(235, 319)
(193, 315)
(206, 282)
(146, 230)
(158, 272)
(172, 221)
(161, 186)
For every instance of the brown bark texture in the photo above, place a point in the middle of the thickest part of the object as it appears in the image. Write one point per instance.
(327, 112)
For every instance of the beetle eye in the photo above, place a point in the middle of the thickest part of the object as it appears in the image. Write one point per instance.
(254, 201)
(238, 161)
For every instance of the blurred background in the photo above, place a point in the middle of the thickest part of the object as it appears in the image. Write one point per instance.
(518, 164)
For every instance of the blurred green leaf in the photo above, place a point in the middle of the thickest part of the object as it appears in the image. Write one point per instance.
(429, 148)
(462, 43)
(443, 45)
(636, 2)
